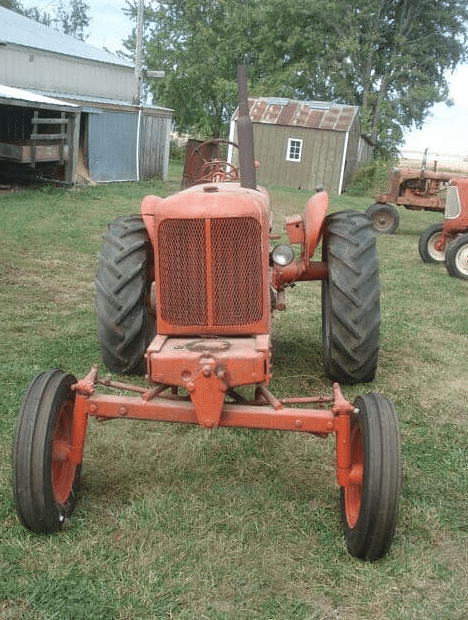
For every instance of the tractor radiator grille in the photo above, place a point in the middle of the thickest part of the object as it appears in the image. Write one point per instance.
(210, 272)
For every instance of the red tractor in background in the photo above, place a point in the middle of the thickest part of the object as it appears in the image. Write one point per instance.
(185, 294)
(416, 191)
(448, 241)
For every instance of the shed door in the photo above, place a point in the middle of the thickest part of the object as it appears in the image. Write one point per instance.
(112, 146)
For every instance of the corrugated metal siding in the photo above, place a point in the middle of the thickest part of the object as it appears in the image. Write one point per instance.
(20, 30)
(112, 146)
(54, 73)
(313, 114)
(155, 135)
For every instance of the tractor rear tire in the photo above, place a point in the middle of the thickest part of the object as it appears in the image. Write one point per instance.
(350, 298)
(45, 481)
(456, 258)
(426, 245)
(126, 323)
(369, 503)
(384, 217)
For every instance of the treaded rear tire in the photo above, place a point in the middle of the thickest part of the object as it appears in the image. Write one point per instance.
(350, 298)
(126, 323)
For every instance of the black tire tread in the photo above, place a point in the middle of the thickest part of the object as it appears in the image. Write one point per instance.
(125, 323)
(350, 298)
(374, 531)
(31, 467)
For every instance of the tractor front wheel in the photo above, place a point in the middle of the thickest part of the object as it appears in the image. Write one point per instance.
(429, 244)
(456, 257)
(350, 298)
(126, 320)
(45, 479)
(369, 503)
(384, 217)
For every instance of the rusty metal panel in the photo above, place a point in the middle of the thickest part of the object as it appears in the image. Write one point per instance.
(257, 109)
(193, 169)
(287, 113)
(312, 114)
(329, 119)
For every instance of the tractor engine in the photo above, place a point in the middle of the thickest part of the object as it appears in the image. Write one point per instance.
(211, 292)
(211, 258)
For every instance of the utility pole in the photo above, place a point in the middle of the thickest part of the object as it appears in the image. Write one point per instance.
(139, 72)
(138, 54)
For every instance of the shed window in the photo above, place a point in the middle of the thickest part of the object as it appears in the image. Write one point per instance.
(294, 149)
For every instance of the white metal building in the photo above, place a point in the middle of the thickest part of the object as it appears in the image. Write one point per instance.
(71, 110)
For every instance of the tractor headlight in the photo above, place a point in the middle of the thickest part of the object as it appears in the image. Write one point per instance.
(282, 255)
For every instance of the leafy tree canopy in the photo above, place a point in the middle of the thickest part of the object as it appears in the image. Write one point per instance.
(390, 57)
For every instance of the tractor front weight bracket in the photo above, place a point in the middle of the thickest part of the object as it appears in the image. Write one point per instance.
(163, 403)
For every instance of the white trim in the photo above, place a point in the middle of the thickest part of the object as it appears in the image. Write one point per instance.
(232, 128)
(291, 147)
(138, 145)
(343, 162)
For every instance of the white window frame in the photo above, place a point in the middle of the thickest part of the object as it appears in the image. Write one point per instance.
(294, 150)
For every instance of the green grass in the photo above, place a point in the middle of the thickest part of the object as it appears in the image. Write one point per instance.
(178, 523)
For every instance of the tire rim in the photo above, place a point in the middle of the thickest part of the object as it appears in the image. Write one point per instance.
(382, 221)
(461, 260)
(434, 253)
(353, 491)
(62, 469)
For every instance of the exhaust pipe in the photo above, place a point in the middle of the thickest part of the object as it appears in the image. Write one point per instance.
(245, 134)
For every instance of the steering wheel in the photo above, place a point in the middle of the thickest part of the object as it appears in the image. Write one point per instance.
(200, 169)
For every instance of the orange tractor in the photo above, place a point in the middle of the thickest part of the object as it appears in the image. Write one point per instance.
(448, 241)
(185, 294)
(416, 191)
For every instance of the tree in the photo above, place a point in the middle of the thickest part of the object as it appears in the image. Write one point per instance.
(199, 44)
(73, 20)
(12, 5)
(390, 57)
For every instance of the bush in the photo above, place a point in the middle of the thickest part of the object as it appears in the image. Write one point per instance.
(177, 152)
(371, 177)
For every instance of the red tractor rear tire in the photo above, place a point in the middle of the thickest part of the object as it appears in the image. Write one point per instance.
(369, 504)
(45, 480)
(350, 298)
(126, 321)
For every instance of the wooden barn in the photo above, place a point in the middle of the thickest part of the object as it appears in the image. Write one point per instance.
(70, 112)
(302, 144)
